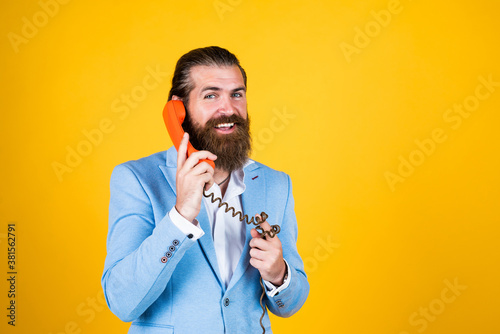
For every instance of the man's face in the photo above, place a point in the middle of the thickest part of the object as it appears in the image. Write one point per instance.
(217, 118)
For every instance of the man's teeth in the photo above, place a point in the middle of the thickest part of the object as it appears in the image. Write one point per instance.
(224, 125)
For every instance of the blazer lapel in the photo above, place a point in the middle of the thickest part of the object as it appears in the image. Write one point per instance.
(253, 201)
(206, 242)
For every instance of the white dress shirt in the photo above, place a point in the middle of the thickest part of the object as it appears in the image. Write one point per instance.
(228, 232)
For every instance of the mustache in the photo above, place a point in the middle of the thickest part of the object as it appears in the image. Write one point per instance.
(225, 119)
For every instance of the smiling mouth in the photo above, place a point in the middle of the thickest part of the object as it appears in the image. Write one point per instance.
(224, 126)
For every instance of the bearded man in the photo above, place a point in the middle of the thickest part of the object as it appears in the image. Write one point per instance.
(176, 261)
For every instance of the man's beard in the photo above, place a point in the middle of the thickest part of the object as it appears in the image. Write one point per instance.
(232, 150)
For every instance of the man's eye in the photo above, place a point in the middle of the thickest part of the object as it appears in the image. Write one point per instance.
(209, 96)
(237, 95)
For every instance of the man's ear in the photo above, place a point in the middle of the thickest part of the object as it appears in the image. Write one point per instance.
(175, 97)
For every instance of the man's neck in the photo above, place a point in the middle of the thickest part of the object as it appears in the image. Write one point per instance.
(221, 177)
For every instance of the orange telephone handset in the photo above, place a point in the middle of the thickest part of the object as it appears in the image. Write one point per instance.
(173, 115)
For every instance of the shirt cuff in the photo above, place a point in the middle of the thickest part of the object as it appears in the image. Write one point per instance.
(272, 290)
(192, 229)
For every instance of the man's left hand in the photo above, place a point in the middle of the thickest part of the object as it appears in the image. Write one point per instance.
(266, 255)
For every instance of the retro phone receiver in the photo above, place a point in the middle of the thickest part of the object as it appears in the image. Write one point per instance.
(173, 115)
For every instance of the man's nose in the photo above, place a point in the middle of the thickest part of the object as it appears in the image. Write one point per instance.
(226, 107)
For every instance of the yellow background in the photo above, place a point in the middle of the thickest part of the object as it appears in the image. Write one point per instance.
(376, 254)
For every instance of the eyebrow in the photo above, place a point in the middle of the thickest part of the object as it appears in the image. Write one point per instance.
(219, 89)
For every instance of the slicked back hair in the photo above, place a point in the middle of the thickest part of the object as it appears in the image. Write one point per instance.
(214, 56)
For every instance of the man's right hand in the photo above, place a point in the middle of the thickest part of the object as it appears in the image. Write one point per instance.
(192, 177)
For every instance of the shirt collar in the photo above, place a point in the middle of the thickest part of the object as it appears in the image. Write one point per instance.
(236, 185)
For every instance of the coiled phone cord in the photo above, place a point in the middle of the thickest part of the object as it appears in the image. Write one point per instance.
(275, 229)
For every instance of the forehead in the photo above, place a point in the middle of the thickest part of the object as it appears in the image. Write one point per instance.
(224, 77)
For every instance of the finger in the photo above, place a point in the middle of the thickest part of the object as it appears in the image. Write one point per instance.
(264, 267)
(205, 179)
(259, 242)
(262, 228)
(201, 169)
(254, 233)
(195, 158)
(257, 264)
(258, 217)
(203, 174)
(257, 254)
(210, 183)
(265, 226)
(270, 232)
(182, 153)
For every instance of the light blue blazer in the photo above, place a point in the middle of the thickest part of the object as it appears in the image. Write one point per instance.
(164, 282)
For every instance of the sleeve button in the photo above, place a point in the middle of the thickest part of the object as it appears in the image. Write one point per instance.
(175, 242)
(163, 260)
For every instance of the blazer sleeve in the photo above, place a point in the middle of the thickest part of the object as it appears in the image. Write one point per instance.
(289, 300)
(141, 253)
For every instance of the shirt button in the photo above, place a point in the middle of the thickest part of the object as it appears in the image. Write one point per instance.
(190, 236)
(226, 302)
